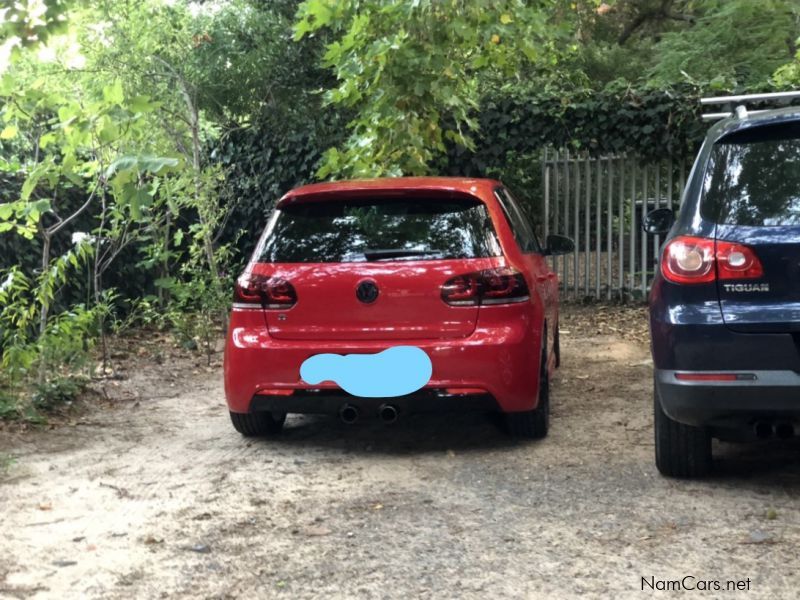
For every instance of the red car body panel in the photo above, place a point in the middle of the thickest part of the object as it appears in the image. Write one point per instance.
(496, 348)
(409, 307)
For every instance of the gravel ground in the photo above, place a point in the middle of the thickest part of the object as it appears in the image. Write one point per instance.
(153, 495)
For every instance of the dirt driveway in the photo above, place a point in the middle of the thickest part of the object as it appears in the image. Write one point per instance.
(157, 496)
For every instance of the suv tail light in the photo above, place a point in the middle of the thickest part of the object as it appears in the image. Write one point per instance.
(269, 292)
(689, 259)
(503, 285)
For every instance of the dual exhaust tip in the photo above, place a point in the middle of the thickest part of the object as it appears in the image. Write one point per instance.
(349, 413)
(780, 429)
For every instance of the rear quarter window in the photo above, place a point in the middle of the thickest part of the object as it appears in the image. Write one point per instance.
(753, 178)
(380, 229)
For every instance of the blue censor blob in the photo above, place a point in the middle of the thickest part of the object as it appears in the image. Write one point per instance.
(394, 372)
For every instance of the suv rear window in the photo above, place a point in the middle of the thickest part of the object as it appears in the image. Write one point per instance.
(753, 177)
(359, 230)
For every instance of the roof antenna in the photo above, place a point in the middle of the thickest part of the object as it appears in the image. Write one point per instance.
(741, 112)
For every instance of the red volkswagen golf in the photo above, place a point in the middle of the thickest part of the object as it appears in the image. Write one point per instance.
(447, 269)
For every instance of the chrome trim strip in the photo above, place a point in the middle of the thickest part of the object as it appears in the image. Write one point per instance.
(504, 301)
(244, 306)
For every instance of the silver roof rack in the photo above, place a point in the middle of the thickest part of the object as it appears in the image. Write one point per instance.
(736, 104)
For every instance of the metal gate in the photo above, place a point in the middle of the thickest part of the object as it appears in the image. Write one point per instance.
(600, 202)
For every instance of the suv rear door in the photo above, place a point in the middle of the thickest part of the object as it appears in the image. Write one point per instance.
(407, 246)
(752, 192)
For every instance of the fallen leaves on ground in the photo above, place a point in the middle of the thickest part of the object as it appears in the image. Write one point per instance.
(627, 321)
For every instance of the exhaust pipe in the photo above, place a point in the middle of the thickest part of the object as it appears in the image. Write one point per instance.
(388, 413)
(349, 414)
(784, 430)
(763, 430)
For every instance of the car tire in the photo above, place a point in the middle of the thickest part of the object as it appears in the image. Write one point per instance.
(533, 424)
(257, 424)
(682, 451)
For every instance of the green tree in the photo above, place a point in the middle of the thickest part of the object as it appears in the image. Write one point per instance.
(69, 139)
(412, 72)
(730, 42)
(717, 43)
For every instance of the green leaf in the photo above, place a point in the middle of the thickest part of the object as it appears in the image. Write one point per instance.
(165, 283)
(41, 206)
(9, 132)
(141, 104)
(156, 164)
(123, 163)
(33, 178)
(33, 211)
(114, 94)
(46, 139)
(148, 164)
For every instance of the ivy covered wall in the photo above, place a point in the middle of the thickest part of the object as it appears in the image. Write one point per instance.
(514, 129)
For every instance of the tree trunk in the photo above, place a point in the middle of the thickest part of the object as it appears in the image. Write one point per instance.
(207, 235)
(45, 308)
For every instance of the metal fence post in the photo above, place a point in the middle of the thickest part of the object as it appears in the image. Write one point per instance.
(577, 225)
(656, 238)
(566, 213)
(597, 221)
(632, 249)
(670, 187)
(645, 192)
(609, 221)
(621, 226)
(556, 205)
(546, 216)
(586, 226)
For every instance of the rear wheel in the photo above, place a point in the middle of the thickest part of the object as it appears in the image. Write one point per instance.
(258, 423)
(533, 424)
(681, 450)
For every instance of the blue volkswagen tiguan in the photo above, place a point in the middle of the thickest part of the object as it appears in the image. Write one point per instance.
(725, 302)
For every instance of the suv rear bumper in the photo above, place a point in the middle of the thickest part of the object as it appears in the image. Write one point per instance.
(757, 394)
(500, 357)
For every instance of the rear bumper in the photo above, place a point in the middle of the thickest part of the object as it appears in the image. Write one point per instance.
(767, 394)
(501, 357)
(330, 402)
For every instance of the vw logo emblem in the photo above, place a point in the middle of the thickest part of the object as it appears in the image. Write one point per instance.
(367, 292)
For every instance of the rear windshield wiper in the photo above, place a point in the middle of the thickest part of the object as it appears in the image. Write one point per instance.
(392, 253)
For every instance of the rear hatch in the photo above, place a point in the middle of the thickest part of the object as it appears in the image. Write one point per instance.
(373, 267)
(752, 191)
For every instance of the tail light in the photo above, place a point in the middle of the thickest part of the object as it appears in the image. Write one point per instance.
(735, 261)
(689, 259)
(503, 285)
(269, 292)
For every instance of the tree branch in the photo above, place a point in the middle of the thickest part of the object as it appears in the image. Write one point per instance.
(664, 11)
(54, 229)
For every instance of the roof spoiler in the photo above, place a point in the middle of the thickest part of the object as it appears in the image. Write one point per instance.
(735, 105)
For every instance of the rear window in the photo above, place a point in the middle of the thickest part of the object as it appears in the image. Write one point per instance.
(753, 178)
(361, 230)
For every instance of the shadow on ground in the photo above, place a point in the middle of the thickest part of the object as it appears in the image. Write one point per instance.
(415, 434)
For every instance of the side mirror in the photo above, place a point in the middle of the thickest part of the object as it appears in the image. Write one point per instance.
(558, 245)
(658, 221)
